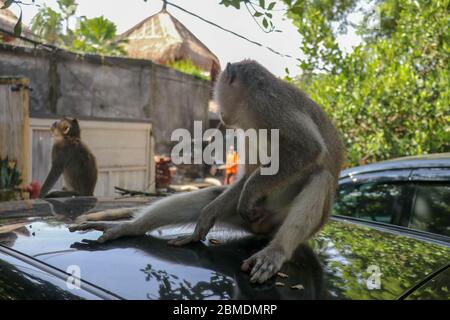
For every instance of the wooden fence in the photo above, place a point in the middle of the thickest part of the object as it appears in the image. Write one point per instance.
(14, 122)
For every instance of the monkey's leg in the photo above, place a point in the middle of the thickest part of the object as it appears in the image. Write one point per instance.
(259, 186)
(304, 218)
(111, 229)
(223, 207)
(176, 209)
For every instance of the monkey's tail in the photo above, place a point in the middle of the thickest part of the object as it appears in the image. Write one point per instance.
(183, 208)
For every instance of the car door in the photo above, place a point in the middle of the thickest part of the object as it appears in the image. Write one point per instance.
(430, 210)
(383, 196)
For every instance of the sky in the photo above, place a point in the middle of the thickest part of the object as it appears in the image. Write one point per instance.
(227, 47)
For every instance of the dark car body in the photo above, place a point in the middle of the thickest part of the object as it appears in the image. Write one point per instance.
(38, 255)
(412, 192)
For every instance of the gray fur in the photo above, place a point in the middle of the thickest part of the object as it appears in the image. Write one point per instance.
(74, 160)
(299, 196)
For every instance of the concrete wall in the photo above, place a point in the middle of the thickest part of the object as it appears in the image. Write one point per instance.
(91, 86)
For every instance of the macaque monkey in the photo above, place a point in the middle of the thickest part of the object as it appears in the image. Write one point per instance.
(289, 206)
(72, 158)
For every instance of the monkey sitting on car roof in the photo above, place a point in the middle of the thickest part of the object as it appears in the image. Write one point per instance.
(289, 206)
(72, 158)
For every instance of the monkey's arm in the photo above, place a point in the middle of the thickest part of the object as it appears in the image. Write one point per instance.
(301, 152)
(55, 171)
(182, 208)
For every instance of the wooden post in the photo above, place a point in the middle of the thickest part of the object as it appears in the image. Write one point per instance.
(26, 133)
(14, 122)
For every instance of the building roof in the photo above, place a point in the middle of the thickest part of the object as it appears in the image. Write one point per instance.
(8, 21)
(164, 39)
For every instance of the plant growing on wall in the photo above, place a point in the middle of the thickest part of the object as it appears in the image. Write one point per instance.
(186, 66)
(9, 174)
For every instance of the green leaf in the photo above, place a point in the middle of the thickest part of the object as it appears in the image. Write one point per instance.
(7, 4)
(18, 26)
(257, 14)
(271, 6)
(236, 3)
(262, 3)
(265, 23)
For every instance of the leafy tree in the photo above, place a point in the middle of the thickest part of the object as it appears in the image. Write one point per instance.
(390, 95)
(97, 35)
(47, 24)
(94, 35)
(68, 9)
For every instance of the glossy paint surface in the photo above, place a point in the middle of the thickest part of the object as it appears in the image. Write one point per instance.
(344, 261)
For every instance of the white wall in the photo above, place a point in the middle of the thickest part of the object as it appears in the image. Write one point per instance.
(124, 152)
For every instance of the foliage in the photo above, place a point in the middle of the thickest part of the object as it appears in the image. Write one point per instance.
(186, 66)
(97, 35)
(9, 175)
(68, 9)
(390, 95)
(260, 10)
(47, 24)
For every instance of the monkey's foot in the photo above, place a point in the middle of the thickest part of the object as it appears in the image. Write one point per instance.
(264, 264)
(181, 241)
(111, 230)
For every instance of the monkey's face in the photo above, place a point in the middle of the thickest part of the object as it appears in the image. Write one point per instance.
(66, 127)
(57, 135)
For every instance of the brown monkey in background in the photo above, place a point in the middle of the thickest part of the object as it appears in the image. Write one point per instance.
(289, 206)
(72, 158)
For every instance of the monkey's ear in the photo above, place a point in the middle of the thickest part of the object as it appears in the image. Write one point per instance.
(75, 121)
(231, 73)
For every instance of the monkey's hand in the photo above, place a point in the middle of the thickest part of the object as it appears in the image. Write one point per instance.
(111, 230)
(265, 263)
(204, 224)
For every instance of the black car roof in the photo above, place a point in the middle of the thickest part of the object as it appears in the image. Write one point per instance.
(333, 266)
(440, 160)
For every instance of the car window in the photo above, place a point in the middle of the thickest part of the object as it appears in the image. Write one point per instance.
(431, 211)
(374, 201)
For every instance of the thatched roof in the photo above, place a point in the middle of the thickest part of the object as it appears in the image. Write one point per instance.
(164, 39)
(8, 21)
